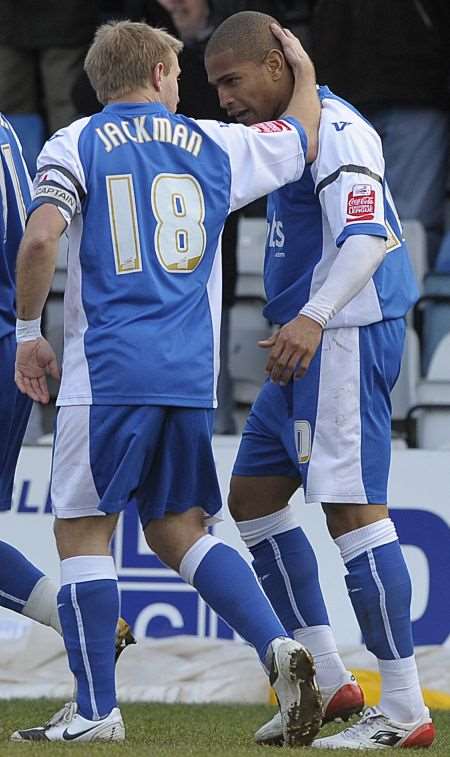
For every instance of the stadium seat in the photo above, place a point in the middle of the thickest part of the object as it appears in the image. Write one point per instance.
(247, 360)
(247, 324)
(250, 257)
(414, 234)
(443, 257)
(404, 394)
(432, 314)
(432, 410)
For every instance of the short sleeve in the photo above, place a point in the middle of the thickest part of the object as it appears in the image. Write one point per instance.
(263, 157)
(60, 178)
(349, 173)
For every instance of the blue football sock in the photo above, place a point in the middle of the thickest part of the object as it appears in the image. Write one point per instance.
(89, 611)
(287, 569)
(225, 581)
(18, 577)
(379, 587)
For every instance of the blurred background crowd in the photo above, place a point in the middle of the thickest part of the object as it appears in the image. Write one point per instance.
(391, 60)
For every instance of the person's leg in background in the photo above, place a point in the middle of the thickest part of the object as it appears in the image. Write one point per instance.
(60, 68)
(19, 100)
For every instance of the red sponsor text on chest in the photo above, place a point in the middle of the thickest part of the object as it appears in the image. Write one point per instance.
(269, 127)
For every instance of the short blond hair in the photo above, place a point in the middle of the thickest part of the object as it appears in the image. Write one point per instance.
(123, 55)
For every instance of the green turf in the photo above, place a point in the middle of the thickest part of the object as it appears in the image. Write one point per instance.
(155, 730)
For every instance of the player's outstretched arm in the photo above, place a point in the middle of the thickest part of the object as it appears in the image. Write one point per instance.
(304, 104)
(36, 260)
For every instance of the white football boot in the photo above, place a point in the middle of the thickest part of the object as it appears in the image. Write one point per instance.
(64, 715)
(68, 726)
(376, 731)
(292, 677)
(339, 703)
(124, 637)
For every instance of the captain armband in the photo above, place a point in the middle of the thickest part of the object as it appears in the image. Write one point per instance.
(52, 193)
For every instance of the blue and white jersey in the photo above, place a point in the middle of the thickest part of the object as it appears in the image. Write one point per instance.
(343, 192)
(14, 200)
(145, 194)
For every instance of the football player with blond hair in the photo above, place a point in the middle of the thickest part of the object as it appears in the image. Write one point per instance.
(143, 194)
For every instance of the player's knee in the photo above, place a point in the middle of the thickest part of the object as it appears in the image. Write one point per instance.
(255, 497)
(84, 536)
(172, 536)
(343, 518)
(237, 502)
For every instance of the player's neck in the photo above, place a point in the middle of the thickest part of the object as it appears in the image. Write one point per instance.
(142, 95)
(283, 102)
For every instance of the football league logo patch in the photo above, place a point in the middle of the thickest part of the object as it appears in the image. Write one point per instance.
(361, 203)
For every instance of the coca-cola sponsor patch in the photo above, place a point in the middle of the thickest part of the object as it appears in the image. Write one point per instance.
(361, 203)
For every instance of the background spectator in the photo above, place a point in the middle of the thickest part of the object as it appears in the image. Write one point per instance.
(391, 60)
(42, 49)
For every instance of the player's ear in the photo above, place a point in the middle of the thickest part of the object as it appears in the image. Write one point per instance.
(275, 63)
(157, 76)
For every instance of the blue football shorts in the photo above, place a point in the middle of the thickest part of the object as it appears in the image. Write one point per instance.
(331, 428)
(105, 456)
(15, 409)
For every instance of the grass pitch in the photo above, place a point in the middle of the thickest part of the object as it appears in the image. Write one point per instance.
(158, 730)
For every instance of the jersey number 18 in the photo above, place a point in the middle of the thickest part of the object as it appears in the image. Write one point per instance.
(178, 206)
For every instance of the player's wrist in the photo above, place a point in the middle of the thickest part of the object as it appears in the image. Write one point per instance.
(321, 316)
(27, 331)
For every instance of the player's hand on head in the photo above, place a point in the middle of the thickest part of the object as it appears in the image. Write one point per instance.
(35, 360)
(292, 348)
(294, 52)
(304, 103)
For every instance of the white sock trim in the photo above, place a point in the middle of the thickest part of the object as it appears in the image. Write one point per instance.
(195, 555)
(403, 664)
(87, 568)
(318, 640)
(356, 542)
(401, 695)
(256, 530)
(330, 670)
(41, 604)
